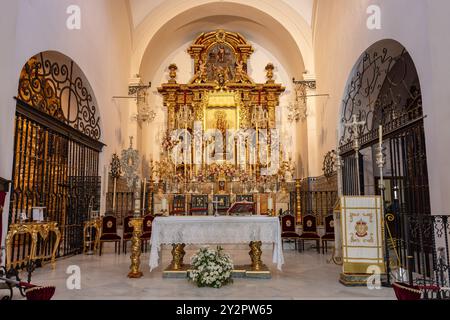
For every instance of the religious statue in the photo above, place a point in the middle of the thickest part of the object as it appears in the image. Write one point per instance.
(240, 74)
(201, 74)
(269, 73)
(221, 55)
(221, 122)
(221, 77)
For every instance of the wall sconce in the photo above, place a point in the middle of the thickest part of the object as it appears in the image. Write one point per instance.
(298, 110)
(138, 91)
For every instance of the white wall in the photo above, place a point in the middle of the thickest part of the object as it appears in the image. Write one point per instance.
(421, 26)
(102, 49)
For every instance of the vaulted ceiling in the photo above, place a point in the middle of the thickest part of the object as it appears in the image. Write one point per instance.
(140, 9)
(282, 27)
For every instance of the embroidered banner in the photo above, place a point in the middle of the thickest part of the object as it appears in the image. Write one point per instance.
(362, 233)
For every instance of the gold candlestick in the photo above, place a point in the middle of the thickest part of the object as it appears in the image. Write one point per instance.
(136, 248)
(297, 191)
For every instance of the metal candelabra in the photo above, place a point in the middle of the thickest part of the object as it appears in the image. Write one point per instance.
(356, 125)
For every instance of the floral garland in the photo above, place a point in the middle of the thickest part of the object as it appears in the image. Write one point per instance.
(211, 268)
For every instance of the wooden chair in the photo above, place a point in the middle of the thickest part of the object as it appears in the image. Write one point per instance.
(179, 205)
(329, 233)
(146, 231)
(127, 232)
(309, 232)
(288, 231)
(109, 233)
(199, 205)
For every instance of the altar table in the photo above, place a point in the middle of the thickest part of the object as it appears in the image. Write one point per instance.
(182, 230)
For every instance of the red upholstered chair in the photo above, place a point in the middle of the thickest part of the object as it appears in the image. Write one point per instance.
(309, 232)
(329, 232)
(147, 231)
(127, 232)
(288, 228)
(109, 233)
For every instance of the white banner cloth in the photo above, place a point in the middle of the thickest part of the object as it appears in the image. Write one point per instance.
(215, 230)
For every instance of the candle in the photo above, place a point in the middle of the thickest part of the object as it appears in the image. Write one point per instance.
(380, 132)
(245, 155)
(267, 156)
(270, 203)
(143, 197)
(164, 204)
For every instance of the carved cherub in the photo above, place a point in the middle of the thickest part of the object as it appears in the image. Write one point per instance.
(200, 75)
(241, 75)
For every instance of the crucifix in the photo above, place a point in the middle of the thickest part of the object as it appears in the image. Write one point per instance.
(356, 125)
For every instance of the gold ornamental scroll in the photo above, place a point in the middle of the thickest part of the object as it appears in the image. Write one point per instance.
(34, 229)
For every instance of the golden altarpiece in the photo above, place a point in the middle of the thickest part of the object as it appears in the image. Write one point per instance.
(221, 96)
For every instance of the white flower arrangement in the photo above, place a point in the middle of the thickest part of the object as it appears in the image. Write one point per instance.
(211, 268)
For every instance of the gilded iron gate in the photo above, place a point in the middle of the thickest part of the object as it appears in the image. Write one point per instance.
(385, 90)
(56, 152)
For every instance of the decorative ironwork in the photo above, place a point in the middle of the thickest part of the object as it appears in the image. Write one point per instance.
(329, 164)
(384, 89)
(130, 165)
(57, 89)
(55, 162)
(115, 167)
(419, 244)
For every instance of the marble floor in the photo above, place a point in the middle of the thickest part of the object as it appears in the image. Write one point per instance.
(305, 275)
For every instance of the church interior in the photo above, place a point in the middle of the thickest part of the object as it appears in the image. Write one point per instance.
(288, 149)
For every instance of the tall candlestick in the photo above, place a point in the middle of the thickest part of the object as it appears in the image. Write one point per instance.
(175, 165)
(380, 133)
(267, 154)
(114, 195)
(245, 155)
(143, 196)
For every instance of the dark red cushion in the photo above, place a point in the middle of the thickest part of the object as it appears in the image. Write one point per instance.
(289, 234)
(309, 224)
(127, 236)
(146, 235)
(110, 237)
(288, 223)
(404, 291)
(329, 236)
(309, 235)
(148, 222)
(127, 228)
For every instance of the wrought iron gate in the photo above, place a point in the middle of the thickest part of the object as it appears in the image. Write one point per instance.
(56, 152)
(385, 90)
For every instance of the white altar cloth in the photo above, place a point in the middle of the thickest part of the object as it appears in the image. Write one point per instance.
(215, 230)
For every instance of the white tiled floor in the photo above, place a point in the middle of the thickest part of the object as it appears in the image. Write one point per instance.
(305, 276)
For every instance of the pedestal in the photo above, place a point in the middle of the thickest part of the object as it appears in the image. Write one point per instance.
(137, 224)
(257, 269)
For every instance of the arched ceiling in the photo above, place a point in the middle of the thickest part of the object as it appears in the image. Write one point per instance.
(172, 23)
(158, 49)
(140, 9)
